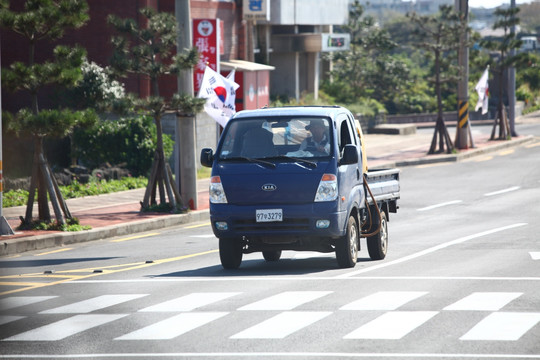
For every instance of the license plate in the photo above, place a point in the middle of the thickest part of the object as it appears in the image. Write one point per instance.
(269, 215)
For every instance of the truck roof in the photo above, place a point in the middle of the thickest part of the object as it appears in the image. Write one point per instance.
(329, 111)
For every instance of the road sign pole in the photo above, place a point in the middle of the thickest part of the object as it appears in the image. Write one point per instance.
(462, 128)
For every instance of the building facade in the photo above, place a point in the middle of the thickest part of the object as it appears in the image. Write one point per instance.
(286, 42)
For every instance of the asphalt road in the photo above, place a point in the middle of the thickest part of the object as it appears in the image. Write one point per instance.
(461, 281)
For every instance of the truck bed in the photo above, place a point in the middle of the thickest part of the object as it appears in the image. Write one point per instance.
(384, 185)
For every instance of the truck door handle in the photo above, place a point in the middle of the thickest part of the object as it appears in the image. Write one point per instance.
(357, 174)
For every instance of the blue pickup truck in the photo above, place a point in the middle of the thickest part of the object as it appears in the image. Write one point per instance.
(295, 178)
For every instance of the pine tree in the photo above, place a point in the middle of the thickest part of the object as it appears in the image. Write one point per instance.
(149, 49)
(43, 20)
(439, 35)
(506, 19)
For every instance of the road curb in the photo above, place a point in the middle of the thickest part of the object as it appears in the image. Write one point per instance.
(435, 159)
(39, 242)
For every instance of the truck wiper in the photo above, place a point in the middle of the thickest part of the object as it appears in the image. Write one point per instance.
(309, 163)
(254, 160)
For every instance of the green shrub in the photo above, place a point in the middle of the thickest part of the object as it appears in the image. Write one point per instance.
(129, 141)
(20, 197)
(71, 225)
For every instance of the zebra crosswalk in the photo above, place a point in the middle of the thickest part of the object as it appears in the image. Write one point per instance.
(278, 316)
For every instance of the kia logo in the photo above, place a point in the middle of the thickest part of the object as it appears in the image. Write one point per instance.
(269, 187)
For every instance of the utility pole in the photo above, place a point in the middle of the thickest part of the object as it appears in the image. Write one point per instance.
(186, 144)
(5, 229)
(512, 84)
(462, 128)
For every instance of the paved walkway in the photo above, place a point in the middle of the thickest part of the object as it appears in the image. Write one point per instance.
(118, 214)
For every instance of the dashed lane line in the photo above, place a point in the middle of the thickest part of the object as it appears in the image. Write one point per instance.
(453, 202)
(134, 237)
(53, 251)
(503, 191)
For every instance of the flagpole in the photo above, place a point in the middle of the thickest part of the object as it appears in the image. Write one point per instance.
(512, 84)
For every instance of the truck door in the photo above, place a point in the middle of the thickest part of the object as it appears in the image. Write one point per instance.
(349, 176)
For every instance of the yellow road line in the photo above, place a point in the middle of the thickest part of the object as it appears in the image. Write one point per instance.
(134, 237)
(105, 270)
(197, 226)
(482, 158)
(7, 283)
(507, 152)
(529, 146)
(53, 251)
(27, 276)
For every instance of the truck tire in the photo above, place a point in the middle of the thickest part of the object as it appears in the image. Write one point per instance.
(272, 255)
(378, 244)
(230, 253)
(347, 246)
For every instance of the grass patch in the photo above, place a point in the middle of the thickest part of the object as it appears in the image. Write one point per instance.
(165, 208)
(94, 187)
(70, 225)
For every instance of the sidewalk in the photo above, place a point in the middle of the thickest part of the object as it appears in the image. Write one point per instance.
(117, 214)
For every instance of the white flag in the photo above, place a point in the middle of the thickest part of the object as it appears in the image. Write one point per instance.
(482, 88)
(220, 95)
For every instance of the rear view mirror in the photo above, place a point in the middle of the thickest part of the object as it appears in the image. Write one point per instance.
(350, 155)
(207, 157)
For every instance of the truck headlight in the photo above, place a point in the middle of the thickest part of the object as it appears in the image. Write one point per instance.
(327, 190)
(217, 194)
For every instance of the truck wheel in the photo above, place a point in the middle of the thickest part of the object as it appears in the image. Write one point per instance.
(378, 244)
(230, 253)
(272, 255)
(347, 246)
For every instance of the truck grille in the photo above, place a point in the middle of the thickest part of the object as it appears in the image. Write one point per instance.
(286, 224)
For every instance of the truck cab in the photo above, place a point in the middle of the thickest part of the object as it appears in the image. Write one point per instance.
(288, 179)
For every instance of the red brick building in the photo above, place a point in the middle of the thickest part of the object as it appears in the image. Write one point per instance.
(96, 35)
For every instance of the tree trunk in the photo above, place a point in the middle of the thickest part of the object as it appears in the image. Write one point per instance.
(500, 119)
(440, 127)
(44, 182)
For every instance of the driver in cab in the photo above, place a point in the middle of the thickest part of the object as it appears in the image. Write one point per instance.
(318, 141)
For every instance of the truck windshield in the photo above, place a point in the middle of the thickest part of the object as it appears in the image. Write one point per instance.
(279, 138)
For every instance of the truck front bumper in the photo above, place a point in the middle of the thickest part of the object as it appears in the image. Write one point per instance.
(303, 220)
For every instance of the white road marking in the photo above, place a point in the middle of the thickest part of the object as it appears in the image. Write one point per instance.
(285, 301)
(535, 255)
(282, 325)
(484, 301)
(64, 328)
(439, 205)
(190, 302)
(431, 250)
(392, 325)
(16, 301)
(384, 300)
(513, 188)
(8, 318)
(208, 236)
(97, 303)
(173, 326)
(275, 355)
(502, 326)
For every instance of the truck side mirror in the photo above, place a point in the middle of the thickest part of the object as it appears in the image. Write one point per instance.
(207, 157)
(350, 155)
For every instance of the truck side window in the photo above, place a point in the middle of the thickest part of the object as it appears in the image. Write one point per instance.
(345, 134)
